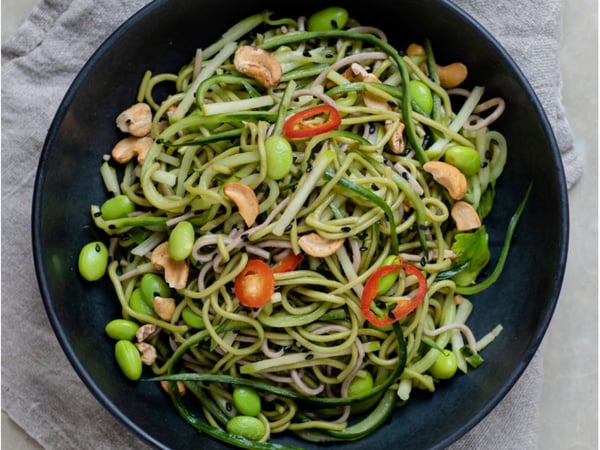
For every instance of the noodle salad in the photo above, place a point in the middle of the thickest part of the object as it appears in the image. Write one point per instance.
(293, 232)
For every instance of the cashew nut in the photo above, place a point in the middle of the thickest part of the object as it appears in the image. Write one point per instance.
(131, 146)
(258, 64)
(148, 353)
(164, 307)
(452, 75)
(448, 176)
(415, 50)
(146, 332)
(136, 120)
(396, 142)
(371, 99)
(314, 244)
(176, 272)
(166, 386)
(244, 198)
(465, 216)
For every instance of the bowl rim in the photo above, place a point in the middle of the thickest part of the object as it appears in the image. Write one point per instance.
(37, 245)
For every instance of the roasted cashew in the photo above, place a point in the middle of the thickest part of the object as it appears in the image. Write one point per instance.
(452, 75)
(448, 176)
(258, 64)
(147, 352)
(176, 272)
(131, 146)
(136, 120)
(314, 244)
(371, 99)
(244, 198)
(465, 216)
(164, 307)
(396, 142)
(146, 332)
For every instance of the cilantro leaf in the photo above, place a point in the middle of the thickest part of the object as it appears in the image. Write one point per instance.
(471, 249)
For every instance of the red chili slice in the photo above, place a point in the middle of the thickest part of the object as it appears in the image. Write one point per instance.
(403, 308)
(255, 285)
(288, 263)
(304, 124)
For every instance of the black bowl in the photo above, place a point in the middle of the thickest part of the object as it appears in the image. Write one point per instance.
(164, 36)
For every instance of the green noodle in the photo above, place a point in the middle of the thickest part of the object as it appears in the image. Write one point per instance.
(311, 340)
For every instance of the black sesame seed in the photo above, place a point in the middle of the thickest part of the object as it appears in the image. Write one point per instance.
(484, 164)
(405, 175)
(329, 55)
(346, 229)
(112, 226)
(385, 160)
(309, 357)
(423, 227)
(243, 249)
(97, 248)
(187, 209)
(423, 261)
(228, 406)
(372, 128)
(97, 214)
(363, 249)
(306, 53)
(294, 187)
(334, 23)
(309, 168)
(392, 104)
(244, 236)
(288, 227)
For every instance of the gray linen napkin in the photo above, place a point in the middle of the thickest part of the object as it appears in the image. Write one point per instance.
(40, 390)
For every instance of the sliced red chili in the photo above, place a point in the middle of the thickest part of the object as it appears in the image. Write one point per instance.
(403, 308)
(312, 121)
(255, 284)
(288, 263)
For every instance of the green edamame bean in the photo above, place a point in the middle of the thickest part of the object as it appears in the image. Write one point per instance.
(153, 285)
(129, 359)
(421, 94)
(181, 240)
(192, 319)
(465, 159)
(117, 207)
(247, 401)
(360, 385)
(445, 365)
(387, 281)
(93, 260)
(279, 157)
(121, 329)
(331, 18)
(246, 426)
(139, 304)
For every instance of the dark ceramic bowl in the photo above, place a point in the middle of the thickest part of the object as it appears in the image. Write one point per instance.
(164, 36)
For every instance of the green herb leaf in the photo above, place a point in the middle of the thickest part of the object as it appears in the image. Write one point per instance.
(486, 201)
(471, 248)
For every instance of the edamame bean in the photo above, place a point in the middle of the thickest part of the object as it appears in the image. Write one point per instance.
(181, 240)
(387, 281)
(139, 304)
(129, 359)
(279, 157)
(360, 385)
(465, 159)
(331, 18)
(445, 365)
(117, 207)
(192, 319)
(246, 426)
(93, 260)
(153, 285)
(421, 94)
(247, 401)
(121, 329)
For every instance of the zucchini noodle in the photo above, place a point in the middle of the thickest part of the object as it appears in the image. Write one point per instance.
(361, 185)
